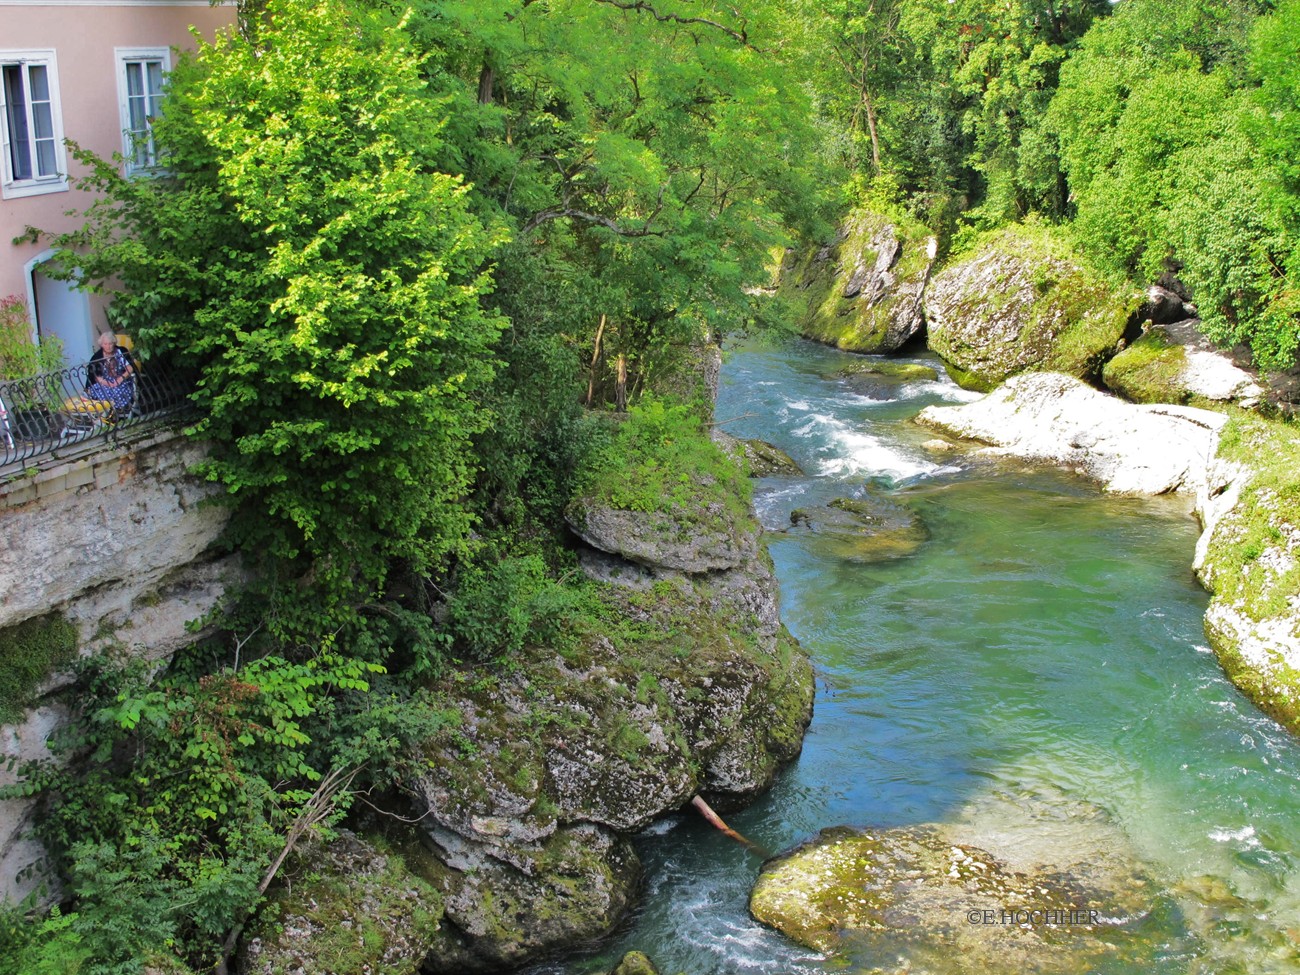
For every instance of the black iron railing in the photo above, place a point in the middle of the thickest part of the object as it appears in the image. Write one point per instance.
(41, 414)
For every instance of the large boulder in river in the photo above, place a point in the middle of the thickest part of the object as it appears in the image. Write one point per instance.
(683, 684)
(862, 292)
(1020, 301)
(1129, 448)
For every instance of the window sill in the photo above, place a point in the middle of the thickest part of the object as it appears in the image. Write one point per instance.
(32, 187)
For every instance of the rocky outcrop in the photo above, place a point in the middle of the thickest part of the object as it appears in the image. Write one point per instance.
(870, 528)
(1023, 301)
(684, 684)
(862, 292)
(1248, 557)
(1175, 363)
(1129, 448)
(118, 541)
(685, 540)
(363, 911)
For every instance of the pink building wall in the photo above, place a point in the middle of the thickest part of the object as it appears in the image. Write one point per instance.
(84, 36)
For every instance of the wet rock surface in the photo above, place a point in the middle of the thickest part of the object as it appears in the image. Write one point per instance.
(947, 899)
(870, 528)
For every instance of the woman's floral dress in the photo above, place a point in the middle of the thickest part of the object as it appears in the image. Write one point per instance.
(107, 370)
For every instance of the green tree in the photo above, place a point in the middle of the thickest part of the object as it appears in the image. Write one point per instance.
(322, 279)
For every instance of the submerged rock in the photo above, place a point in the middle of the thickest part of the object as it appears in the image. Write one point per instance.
(1129, 448)
(931, 899)
(862, 293)
(867, 529)
(1023, 301)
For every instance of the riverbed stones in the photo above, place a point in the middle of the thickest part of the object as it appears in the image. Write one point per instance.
(1022, 300)
(930, 899)
(870, 528)
(862, 292)
(1129, 448)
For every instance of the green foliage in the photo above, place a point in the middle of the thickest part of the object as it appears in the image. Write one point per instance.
(29, 652)
(323, 281)
(19, 355)
(188, 784)
(503, 601)
(1177, 163)
(660, 458)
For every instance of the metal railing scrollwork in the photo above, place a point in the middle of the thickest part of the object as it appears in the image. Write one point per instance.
(41, 414)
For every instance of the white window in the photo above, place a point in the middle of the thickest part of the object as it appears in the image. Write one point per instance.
(31, 124)
(140, 73)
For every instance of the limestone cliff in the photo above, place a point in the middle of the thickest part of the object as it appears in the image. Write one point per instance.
(862, 292)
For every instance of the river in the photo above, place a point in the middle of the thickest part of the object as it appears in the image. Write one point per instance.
(1037, 668)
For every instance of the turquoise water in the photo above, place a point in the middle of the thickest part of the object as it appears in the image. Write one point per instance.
(1037, 670)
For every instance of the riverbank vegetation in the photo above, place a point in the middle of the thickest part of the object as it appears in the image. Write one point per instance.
(433, 269)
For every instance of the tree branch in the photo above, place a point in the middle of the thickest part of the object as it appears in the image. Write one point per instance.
(741, 35)
(559, 213)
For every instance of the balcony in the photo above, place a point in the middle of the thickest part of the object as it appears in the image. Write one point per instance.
(49, 417)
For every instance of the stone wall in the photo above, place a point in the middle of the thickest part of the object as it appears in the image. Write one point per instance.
(118, 539)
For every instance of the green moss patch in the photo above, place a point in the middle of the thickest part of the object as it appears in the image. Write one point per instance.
(1022, 298)
(812, 283)
(1254, 558)
(1148, 371)
(29, 652)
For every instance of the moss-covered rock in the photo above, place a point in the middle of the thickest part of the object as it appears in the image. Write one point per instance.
(501, 913)
(866, 529)
(635, 963)
(927, 898)
(29, 652)
(671, 684)
(357, 908)
(1249, 559)
(862, 292)
(1148, 371)
(1176, 363)
(1021, 300)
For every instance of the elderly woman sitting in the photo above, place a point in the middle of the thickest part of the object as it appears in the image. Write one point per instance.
(110, 376)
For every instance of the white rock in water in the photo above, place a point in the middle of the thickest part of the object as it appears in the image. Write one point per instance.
(1130, 448)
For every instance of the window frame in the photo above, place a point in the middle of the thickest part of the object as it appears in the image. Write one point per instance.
(122, 57)
(10, 186)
